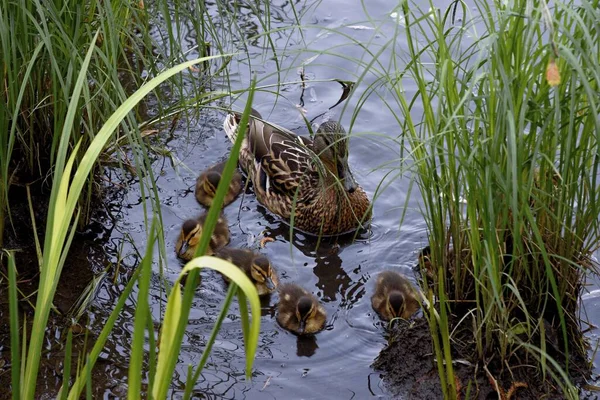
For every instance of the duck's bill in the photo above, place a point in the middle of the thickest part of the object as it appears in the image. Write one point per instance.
(349, 182)
(270, 284)
(184, 248)
(302, 327)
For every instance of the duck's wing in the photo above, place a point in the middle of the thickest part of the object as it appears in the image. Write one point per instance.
(285, 164)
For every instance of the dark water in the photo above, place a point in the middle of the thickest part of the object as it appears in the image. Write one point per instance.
(335, 364)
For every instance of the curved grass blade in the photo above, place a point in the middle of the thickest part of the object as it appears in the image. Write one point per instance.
(91, 358)
(15, 354)
(64, 198)
(142, 313)
(174, 320)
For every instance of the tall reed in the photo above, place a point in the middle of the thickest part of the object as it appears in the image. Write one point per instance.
(506, 158)
(62, 108)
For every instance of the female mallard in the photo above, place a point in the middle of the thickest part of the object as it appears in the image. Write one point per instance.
(256, 266)
(394, 296)
(306, 182)
(207, 182)
(299, 311)
(190, 234)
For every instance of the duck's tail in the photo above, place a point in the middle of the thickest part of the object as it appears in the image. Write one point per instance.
(232, 122)
(230, 125)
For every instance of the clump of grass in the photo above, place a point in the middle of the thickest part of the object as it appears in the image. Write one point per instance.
(506, 158)
(62, 219)
(41, 52)
(60, 109)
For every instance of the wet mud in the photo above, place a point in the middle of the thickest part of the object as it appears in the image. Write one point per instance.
(409, 370)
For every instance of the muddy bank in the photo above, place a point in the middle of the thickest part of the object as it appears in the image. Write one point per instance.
(86, 258)
(410, 370)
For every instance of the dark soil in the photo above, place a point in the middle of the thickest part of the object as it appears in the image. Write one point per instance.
(85, 258)
(410, 370)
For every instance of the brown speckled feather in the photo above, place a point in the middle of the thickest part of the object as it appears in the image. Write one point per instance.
(206, 198)
(288, 176)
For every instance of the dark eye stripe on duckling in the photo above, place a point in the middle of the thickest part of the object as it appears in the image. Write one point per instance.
(213, 179)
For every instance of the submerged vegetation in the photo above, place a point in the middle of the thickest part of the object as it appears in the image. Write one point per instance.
(501, 135)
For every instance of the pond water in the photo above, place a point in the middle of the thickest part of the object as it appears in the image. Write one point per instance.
(336, 362)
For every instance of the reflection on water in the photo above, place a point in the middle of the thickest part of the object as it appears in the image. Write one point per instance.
(306, 346)
(335, 363)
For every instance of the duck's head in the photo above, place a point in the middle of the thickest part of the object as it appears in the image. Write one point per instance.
(211, 182)
(331, 145)
(262, 272)
(306, 309)
(395, 304)
(191, 230)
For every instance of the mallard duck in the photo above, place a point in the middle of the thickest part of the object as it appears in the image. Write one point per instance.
(311, 178)
(207, 182)
(394, 296)
(256, 266)
(299, 311)
(190, 234)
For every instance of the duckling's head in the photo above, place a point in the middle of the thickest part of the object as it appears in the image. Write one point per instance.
(211, 182)
(425, 261)
(331, 145)
(262, 272)
(395, 304)
(306, 309)
(191, 230)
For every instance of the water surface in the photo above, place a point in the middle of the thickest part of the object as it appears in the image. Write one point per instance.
(336, 362)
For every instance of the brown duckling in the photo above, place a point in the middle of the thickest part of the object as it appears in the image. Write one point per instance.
(299, 311)
(208, 181)
(394, 296)
(190, 234)
(256, 266)
(425, 262)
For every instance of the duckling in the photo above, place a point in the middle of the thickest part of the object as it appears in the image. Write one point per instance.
(208, 181)
(425, 262)
(256, 266)
(190, 234)
(299, 311)
(394, 296)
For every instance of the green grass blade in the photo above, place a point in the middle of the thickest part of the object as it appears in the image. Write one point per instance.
(15, 353)
(177, 331)
(52, 248)
(64, 198)
(173, 320)
(193, 376)
(142, 311)
(67, 366)
(80, 380)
